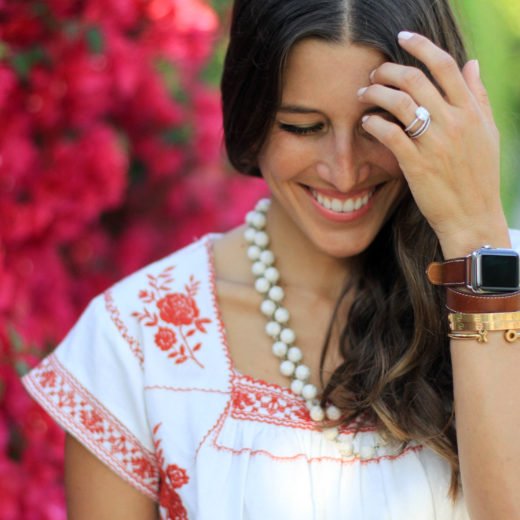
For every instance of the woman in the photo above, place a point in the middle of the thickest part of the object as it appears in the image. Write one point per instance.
(376, 138)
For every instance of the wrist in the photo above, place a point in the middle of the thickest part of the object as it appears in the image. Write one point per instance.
(461, 243)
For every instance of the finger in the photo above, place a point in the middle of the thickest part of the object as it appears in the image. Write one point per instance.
(471, 74)
(442, 65)
(399, 104)
(392, 136)
(413, 81)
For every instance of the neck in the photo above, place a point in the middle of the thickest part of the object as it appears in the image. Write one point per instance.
(302, 265)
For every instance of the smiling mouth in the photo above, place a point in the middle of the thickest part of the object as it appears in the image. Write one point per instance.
(349, 205)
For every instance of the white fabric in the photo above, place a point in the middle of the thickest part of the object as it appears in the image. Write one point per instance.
(197, 436)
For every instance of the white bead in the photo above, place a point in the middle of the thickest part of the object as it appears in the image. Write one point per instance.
(273, 328)
(268, 307)
(263, 204)
(249, 235)
(295, 354)
(303, 372)
(261, 238)
(259, 220)
(345, 446)
(281, 315)
(317, 413)
(309, 391)
(253, 253)
(366, 452)
(262, 285)
(287, 368)
(279, 349)
(276, 293)
(267, 257)
(258, 269)
(272, 274)
(333, 412)
(331, 433)
(250, 217)
(288, 336)
(297, 386)
(345, 438)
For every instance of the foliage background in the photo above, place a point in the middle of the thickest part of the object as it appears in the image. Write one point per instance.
(110, 157)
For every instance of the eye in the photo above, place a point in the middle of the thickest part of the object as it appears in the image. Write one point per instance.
(301, 130)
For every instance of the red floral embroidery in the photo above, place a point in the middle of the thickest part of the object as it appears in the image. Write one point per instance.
(165, 338)
(79, 412)
(113, 311)
(254, 402)
(171, 477)
(178, 309)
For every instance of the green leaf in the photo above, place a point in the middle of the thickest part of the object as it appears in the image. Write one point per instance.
(23, 62)
(95, 40)
(15, 339)
(178, 135)
(21, 367)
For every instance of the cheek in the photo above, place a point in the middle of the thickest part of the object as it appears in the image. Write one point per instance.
(282, 157)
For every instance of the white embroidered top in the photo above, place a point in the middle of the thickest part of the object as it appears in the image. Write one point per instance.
(145, 381)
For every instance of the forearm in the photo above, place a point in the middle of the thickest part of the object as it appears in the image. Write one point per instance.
(487, 389)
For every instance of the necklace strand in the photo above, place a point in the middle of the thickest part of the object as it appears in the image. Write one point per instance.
(267, 280)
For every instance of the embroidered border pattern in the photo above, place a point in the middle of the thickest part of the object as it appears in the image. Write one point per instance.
(79, 412)
(113, 311)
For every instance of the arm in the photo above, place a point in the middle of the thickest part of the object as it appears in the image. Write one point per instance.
(453, 172)
(487, 408)
(95, 491)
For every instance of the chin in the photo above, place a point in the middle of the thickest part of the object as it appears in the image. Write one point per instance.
(346, 245)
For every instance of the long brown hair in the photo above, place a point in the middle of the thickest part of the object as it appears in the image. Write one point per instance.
(396, 369)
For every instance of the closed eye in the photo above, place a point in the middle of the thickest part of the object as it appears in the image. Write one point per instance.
(301, 130)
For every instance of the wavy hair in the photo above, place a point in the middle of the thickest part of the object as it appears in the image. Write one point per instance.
(396, 369)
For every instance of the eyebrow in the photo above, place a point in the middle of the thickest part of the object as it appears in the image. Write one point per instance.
(299, 109)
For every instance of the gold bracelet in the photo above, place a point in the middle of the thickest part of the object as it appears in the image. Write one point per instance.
(482, 335)
(493, 321)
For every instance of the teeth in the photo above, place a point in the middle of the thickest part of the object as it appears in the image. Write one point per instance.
(340, 206)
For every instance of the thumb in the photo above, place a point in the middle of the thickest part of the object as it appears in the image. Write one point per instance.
(471, 73)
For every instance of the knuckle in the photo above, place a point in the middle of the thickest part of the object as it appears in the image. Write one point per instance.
(406, 104)
(393, 134)
(413, 77)
(445, 63)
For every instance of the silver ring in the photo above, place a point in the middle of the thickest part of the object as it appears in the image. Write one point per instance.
(423, 117)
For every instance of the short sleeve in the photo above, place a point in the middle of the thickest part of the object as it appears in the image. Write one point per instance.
(515, 239)
(92, 385)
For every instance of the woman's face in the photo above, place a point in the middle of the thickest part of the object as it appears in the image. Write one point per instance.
(331, 178)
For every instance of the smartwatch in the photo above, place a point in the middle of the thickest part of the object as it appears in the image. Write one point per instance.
(485, 270)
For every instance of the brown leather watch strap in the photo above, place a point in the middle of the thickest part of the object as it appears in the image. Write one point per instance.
(459, 301)
(451, 272)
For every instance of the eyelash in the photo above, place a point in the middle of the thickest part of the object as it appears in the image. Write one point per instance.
(301, 130)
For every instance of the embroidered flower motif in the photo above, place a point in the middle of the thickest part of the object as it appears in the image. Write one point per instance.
(172, 477)
(178, 309)
(176, 476)
(165, 338)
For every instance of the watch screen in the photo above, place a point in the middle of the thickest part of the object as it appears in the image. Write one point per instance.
(499, 271)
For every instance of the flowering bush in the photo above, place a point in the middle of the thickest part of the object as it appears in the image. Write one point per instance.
(110, 157)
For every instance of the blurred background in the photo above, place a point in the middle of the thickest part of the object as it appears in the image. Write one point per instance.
(111, 157)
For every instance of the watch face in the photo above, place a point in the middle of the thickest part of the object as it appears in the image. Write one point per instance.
(499, 272)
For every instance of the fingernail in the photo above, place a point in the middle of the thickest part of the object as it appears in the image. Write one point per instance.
(364, 119)
(405, 35)
(372, 75)
(361, 91)
(477, 65)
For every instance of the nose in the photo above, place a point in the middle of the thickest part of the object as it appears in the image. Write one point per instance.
(338, 164)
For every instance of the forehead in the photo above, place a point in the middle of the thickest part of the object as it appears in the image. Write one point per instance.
(318, 70)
